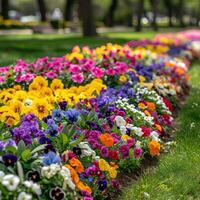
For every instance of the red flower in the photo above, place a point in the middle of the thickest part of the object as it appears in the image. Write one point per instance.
(168, 104)
(114, 155)
(146, 131)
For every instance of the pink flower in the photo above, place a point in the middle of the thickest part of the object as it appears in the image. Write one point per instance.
(74, 69)
(110, 72)
(97, 72)
(121, 67)
(78, 78)
(4, 70)
(51, 75)
(25, 77)
(2, 79)
(137, 152)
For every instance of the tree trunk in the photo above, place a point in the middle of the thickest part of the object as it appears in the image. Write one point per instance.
(154, 5)
(68, 10)
(180, 8)
(169, 7)
(5, 9)
(139, 15)
(87, 17)
(42, 9)
(110, 21)
(129, 16)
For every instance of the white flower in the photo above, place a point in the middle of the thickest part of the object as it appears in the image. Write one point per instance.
(138, 144)
(130, 126)
(33, 186)
(120, 121)
(122, 130)
(86, 150)
(65, 173)
(11, 182)
(24, 196)
(50, 171)
(138, 131)
(154, 135)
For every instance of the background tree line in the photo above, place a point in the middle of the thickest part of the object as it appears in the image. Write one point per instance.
(112, 12)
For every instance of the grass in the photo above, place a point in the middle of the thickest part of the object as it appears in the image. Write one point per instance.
(30, 47)
(178, 175)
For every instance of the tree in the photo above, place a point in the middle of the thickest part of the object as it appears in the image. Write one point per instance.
(87, 17)
(154, 5)
(42, 9)
(5, 9)
(169, 6)
(68, 9)
(180, 9)
(139, 15)
(110, 21)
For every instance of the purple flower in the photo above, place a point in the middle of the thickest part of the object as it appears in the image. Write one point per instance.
(9, 159)
(115, 184)
(137, 152)
(102, 185)
(124, 150)
(104, 151)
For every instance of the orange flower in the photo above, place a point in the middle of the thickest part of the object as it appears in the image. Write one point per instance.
(158, 127)
(74, 175)
(106, 139)
(81, 186)
(74, 162)
(142, 106)
(154, 148)
(146, 112)
(151, 105)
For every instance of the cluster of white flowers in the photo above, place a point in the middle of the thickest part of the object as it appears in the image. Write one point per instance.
(152, 95)
(87, 151)
(50, 171)
(155, 136)
(123, 103)
(53, 169)
(65, 173)
(35, 188)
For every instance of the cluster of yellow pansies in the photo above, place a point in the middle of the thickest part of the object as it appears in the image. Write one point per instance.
(41, 98)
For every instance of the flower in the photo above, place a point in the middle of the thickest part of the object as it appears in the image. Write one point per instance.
(24, 196)
(78, 78)
(11, 182)
(106, 139)
(51, 158)
(33, 176)
(74, 162)
(66, 174)
(57, 115)
(9, 159)
(124, 150)
(154, 148)
(72, 115)
(104, 151)
(102, 185)
(50, 171)
(137, 152)
(120, 121)
(57, 194)
(33, 186)
(56, 84)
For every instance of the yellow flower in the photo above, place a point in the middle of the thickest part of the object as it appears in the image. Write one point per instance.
(16, 106)
(56, 84)
(112, 172)
(46, 91)
(41, 108)
(142, 106)
(125, 137)
(10, 118)
(40, 82)
(142, 78)
(122, 79)
(103, 165)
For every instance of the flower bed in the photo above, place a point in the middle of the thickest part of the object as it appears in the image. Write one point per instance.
(69, 125)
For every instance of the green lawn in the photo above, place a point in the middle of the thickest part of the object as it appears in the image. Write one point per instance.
(30, 47)
(177, 177)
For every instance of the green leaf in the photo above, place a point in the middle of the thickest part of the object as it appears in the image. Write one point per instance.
(20, 171)
(26, 154)
(63, 139)
(39, 148)
(11, 149)
(65, 129)
(21, 147)
(76, 142)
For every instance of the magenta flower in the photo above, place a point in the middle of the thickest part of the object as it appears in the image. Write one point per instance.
(104, 151)
(78, 78)
(137, 152)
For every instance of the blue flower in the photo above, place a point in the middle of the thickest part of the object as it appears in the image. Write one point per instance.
(72, 115)
(57, 115)
(51, 158)
(102, 185)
